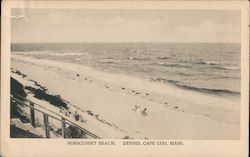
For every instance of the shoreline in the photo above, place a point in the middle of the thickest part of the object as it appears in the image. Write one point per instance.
(222, 92)
(167, 112)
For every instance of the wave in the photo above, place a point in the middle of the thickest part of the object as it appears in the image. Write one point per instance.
(218, 65)
(183, 74)
(68, 54)
(203, 90)
(107, 61)
(228, 68)
(209, 63)
(140, 59)
(173, 65)
(207, 90)
(164, 58)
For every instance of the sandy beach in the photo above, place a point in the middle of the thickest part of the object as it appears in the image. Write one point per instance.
(127, 106)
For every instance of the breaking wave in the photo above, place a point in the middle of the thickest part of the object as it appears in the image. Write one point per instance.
(209, 63)
(203, 90)
(173, 65)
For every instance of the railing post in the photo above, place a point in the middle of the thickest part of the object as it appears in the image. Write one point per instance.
(46, 125)
(32, 115)
(83, 134)
(63, 128)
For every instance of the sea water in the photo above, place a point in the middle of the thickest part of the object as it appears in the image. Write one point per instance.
(212, 68)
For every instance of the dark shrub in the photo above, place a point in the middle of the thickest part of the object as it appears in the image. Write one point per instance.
(17, 88)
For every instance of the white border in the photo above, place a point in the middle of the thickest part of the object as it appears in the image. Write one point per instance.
(56, 147)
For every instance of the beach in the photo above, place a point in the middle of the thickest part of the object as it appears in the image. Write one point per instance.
(127, 106)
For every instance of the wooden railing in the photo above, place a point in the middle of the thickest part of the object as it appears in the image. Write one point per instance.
(48, 114)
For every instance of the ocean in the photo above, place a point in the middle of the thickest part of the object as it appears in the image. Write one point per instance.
(212, 68)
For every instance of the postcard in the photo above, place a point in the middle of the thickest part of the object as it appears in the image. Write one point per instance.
(124, 78)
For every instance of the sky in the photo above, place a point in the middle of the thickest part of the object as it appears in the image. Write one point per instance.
(57, 25)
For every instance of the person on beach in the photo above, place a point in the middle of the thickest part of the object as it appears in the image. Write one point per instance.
(135, 107)
(64, 111)
(76, 116)
(144, 113)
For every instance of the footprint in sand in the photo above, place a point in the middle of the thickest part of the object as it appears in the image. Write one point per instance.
(106, 86)
(166, 104)
(176, 107)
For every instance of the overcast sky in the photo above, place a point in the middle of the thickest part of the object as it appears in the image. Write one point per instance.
(47, 25)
